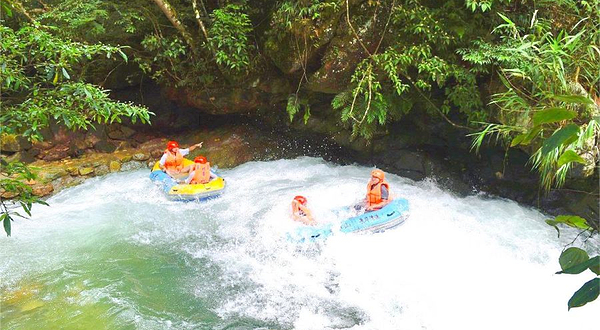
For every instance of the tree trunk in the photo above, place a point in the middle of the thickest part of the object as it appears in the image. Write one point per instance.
(200, 23)
(171, 14)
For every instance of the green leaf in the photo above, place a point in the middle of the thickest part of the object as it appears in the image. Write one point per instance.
(574, 99)
(64, 72)
(576, 269)
(506, 19)
(572, 221)
(518, 139)
(552, 115)
(588, 292)
(554, 224)
(570, 156)
(560, 136)
(571, 257)
(6, 223)
(535, 131)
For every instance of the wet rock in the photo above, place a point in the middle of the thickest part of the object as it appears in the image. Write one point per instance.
(74, 171)
(52, 174)
(42, 189)
(66, 182)
(132, 165)
(114, 166)
(125, 158)
(101, 170)
(140, 156)
(86, 170)
(104, 146)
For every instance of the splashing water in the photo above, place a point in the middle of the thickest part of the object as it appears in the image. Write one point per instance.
(114, 253)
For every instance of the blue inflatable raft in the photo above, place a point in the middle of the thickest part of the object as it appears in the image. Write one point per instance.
(392, 215)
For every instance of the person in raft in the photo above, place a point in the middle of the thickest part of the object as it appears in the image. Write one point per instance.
(378, 191)
(300, 212)
(171, 161)
(199, 172)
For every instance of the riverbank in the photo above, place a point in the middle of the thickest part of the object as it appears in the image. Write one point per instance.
(225, 147)
(229, 144)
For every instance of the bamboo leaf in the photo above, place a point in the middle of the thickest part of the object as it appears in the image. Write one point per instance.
(569, 156)
(560, 136)
(552, 115)
(506, 19)
(65, 73)
(574, 99)
(6, 223)
(535, 131)
(517, 140)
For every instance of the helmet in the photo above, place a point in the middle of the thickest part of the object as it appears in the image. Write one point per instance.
(378, 174)
(200, 159)
(172, 145)
(300, 199)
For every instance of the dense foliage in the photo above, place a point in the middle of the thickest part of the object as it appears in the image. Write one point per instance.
(41, 79)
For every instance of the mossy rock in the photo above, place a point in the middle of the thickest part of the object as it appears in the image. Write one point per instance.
(114, 166)
(9, 142)
(86, 170)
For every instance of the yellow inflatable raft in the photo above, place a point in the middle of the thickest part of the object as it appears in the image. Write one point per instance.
(183, 191)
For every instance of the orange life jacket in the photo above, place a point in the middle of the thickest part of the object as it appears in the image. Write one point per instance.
(374, 193)
(201, 173)
(297, 211)
(174, 162)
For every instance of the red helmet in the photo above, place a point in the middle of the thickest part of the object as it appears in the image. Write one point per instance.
(172, 145)
(300, 199)
(378, 174)
(200, 159)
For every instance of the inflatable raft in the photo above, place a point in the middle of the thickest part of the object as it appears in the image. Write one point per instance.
(392, 215)
(176, 191)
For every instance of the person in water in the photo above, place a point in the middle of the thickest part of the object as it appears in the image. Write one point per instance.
(300, 211)
(171, 161)
(378, 191)
(199, 171)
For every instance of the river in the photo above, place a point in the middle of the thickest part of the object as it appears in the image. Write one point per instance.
(114, 253)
